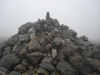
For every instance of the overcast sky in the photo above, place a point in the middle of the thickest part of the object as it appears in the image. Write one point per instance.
(81, 15)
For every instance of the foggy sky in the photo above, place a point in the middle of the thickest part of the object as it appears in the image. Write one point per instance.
(83, 16)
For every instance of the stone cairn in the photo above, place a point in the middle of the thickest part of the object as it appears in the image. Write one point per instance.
(47, 47)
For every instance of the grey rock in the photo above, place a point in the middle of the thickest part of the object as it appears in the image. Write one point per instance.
(47, 15)
(2, 73)
(34, 58)
(47, 66)
(47, 47)
(11, 41)
(96, 55)
(47, 59)
(42, 71)
(15, 73)
(6, 51)
(55, 73)
(2, 46)
(58, 41)
(65, 68)
(24, 28)
(24, 38)
(34, 44)
(3, 69)
(9, 60)
(54, 53)
(84, 38)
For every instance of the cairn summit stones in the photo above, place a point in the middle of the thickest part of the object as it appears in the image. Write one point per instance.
(46, 47)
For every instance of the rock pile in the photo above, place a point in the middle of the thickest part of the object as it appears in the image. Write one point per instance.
(46, 47)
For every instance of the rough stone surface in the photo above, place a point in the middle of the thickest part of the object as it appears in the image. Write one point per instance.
(46, 47)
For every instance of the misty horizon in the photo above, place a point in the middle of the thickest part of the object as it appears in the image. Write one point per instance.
(80, 15)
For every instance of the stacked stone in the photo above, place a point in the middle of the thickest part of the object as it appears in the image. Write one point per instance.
(47, 47)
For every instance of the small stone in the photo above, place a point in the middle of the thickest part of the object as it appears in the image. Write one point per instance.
(34, 44)
(34, 58)
(24, 38)
(47, 66)
(58, 41)
(76, 60)
(42, 71)
(3, 69)
(20, 68)
(47, 59)
(54, 53)
(15, 73)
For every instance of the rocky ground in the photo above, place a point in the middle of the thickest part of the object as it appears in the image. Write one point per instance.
(47, 47)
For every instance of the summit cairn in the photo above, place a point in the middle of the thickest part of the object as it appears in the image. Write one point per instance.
(47, 15)
(46, 47)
